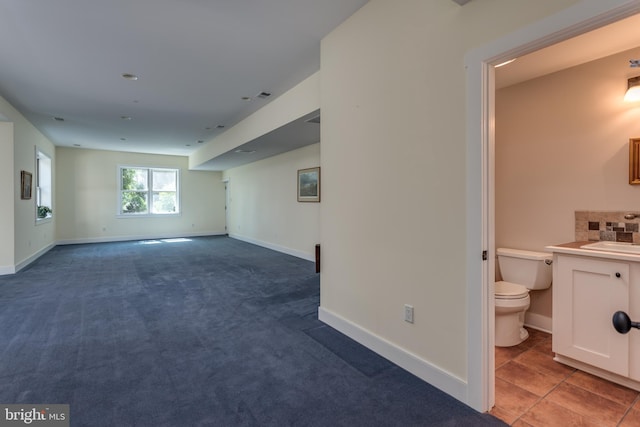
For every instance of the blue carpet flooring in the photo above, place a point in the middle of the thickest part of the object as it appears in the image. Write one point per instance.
(196, 332)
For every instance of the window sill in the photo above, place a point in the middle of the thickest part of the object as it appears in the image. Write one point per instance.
(147, 215)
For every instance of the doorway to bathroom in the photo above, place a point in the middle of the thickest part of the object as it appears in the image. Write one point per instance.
(574, 21)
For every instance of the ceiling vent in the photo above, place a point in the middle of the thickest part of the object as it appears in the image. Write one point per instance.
(263, 95)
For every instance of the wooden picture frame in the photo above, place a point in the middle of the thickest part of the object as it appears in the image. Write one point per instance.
(309, 185)
(634, 161)
(26, 181)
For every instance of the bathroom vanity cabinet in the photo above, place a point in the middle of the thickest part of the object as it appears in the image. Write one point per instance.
(588, 288)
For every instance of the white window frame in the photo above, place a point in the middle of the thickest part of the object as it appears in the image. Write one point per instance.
(149, 191)
(43, 184)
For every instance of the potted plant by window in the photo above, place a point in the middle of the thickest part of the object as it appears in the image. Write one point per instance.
(44, 212)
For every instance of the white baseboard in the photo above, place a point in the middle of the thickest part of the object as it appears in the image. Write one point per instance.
(7, 269)
(139, 237)
(278, 248)
(419, 367)
(538, 321)
(33, 257)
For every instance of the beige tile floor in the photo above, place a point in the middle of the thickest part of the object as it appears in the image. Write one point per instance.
(534, 390)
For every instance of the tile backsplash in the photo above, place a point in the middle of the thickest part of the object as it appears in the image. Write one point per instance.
(607, 225)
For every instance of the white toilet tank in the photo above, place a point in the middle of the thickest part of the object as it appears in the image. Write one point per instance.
(530, 269)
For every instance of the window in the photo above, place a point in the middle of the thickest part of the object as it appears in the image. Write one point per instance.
(44, 189)
(148, 191)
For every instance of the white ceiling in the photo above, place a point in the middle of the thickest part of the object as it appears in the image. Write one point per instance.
(296, 134)
(618, 37)
(195, 60)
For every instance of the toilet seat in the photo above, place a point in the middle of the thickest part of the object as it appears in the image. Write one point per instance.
(508, 290)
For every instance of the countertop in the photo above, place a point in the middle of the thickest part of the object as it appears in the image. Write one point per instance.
(574, 248)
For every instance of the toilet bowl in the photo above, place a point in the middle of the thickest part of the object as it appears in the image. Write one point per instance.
(521, 271)
(512, 300)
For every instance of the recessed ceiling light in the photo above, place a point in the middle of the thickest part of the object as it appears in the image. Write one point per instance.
(77, 145)
(264, 95)
(245, 151)
(129, 76)
(135, 101)
(200, 141)
(246, 98)
(207, 128)
(188, 145)
(58, 119)
(125, 117)
(123, 139)
(220, 127)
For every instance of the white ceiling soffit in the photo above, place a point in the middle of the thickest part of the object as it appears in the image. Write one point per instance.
(296, 134)
(62, 64)
(609, 40)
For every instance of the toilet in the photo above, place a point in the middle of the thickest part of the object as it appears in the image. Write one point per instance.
(521, 271)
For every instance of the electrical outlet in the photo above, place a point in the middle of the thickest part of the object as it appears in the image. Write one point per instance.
(408, 313)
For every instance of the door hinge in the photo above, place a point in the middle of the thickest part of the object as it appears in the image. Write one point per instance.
(484, 255)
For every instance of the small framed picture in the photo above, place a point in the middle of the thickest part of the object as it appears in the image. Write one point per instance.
(309, 185)
(634, 161)
(25, 185)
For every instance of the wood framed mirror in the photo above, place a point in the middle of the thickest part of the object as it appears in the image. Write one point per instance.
(634, 161)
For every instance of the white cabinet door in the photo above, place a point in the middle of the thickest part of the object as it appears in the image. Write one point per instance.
(634, 313)
(586, 293)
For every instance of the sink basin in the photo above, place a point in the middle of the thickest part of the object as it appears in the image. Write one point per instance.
(629, 248)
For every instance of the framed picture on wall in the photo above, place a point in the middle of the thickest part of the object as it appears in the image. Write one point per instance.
(25, 185)
(634, 161)
(309, 185)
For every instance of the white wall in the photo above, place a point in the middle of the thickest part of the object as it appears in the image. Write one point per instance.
(30, 239)
(263, 206)
(87, 198)
(562, 144)
(7, 194)
(393, 143)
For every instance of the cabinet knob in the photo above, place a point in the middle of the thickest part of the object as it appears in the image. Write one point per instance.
(618, 275)
(622, 323)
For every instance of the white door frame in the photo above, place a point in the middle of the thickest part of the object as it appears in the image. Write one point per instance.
(580, 18)
(227, 201)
